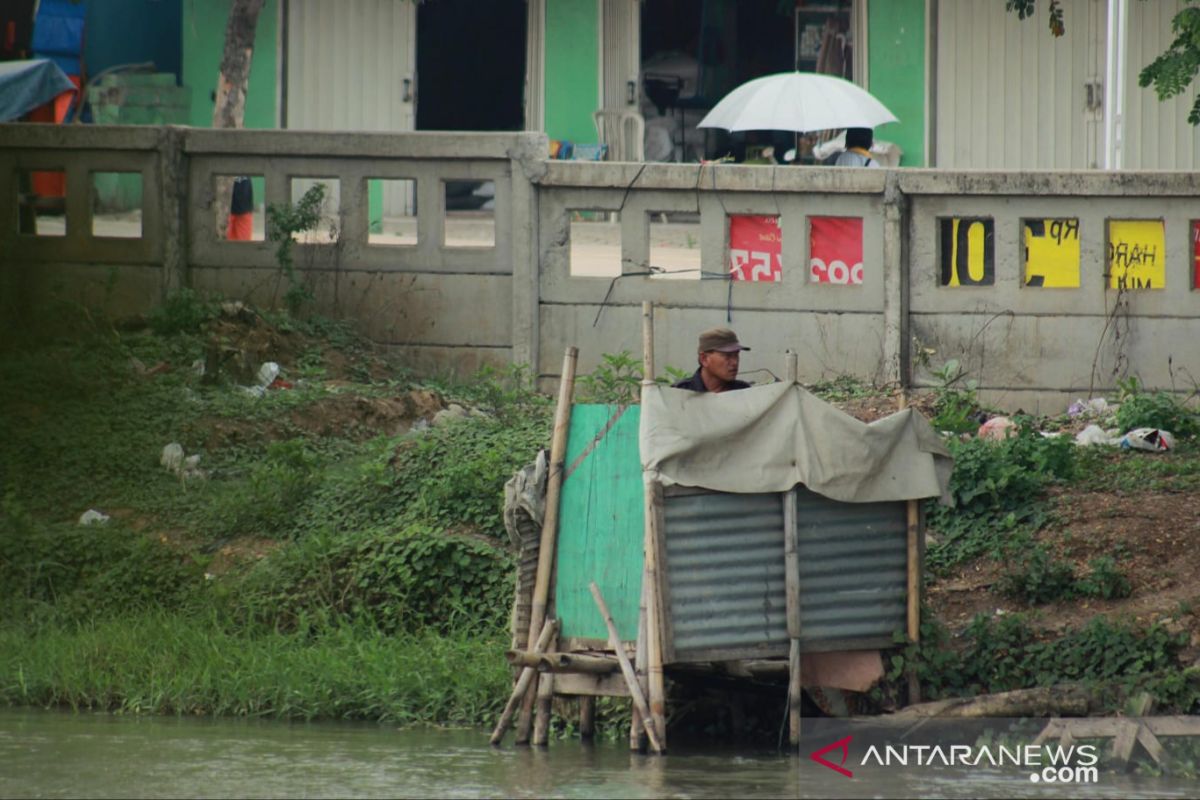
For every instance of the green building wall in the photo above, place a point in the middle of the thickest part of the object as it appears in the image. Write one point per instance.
(572, 79)
(203, 43)
(896, 72)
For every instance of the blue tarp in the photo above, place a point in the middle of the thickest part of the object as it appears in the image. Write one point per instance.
(25, 85)
(58, 33)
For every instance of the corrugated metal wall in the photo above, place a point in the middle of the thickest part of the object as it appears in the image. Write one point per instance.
(346, 66)
(1157, 133)
(853, 568)
(1010, 95)
(726, 582)
(725, 577)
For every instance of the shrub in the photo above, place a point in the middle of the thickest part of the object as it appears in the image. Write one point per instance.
(407, 580)
(1158, 410)
(996, 487)
(1038, 577)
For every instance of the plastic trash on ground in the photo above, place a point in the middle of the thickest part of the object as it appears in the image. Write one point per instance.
(998, 429)
(172, 457)
(267, 373)
(1094, 434)
(1094, 407)
(1150, 439)
(92, 517)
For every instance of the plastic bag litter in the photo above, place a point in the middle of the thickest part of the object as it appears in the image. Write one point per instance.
(1094, 434)
(267, 373)
(172, 457)
(1094, 407)
(997, 428)
(92, 517)
(1150, 439)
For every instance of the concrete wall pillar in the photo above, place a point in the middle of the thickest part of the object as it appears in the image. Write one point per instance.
(172, 200)
(895, 284)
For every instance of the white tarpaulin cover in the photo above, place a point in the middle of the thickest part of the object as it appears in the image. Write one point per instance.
(769, 438)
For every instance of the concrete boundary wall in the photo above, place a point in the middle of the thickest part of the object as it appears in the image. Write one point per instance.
(523, 300)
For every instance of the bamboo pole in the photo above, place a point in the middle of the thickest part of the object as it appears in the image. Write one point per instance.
(791, 561)
(581, 663)
(510, 708)
(545, 569)
(545, 704)
(650, 576)
(637, 732)
(635, 690)
(587, 717)
(913, 582)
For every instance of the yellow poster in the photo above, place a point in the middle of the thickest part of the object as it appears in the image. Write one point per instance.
(1051, 253)
(1137, 254)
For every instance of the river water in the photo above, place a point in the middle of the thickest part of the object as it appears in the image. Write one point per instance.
(60, 754)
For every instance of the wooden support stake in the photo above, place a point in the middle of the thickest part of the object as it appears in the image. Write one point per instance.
(545, 568)
(545, 705)
(637, 732)
(635, 690)
(653, 497)
(587, 718)
(791, 565)
(510, 709)
(913, 593)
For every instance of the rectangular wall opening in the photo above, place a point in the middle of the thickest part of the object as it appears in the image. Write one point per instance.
(755, 248)
(317, 202)
(470, 214)
(835, 251)
(117, 205)
(1050, 252)
(1137, 254)
(41, 202)
(595, 243)
(245, 218)
(674, 245)
(391, 211)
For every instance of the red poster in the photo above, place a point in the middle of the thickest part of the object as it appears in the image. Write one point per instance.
(755, 248)
(1195, 254)
(836, 250)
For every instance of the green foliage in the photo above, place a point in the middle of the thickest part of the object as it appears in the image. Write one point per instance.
(997, 489)
(270, 496)
(171, 663)
(956, 405)
(1004, 653)
(285, 221)
(86, 570)
(184, 311)
(411, 580)
(843, 388)
(1158, 410)
(1105, 580)
(1173, 70)
(617, 380)
(1037, 577)
(454, 474)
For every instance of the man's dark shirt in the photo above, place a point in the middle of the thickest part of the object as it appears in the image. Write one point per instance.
(696, 384)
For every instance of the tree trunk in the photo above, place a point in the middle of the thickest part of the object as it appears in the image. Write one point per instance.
(229, 111)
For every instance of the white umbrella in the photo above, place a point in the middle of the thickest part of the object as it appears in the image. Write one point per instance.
(797, 101)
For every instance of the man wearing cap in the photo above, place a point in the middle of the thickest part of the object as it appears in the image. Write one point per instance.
(718, 352)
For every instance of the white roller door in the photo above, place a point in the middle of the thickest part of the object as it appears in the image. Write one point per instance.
(352, 67)
(1011, 96)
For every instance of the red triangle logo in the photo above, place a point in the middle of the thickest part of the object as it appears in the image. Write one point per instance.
(840, 744)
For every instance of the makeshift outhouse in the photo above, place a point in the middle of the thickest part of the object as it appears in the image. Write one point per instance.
(762, 526)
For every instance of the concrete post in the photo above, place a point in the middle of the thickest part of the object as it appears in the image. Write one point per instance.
(895, 283)
(528, 165)
(173, 193)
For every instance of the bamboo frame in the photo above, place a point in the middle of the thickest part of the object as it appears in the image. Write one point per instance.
(791, 565)
(527, 675)
(546, 546)
(653, 499)
(635, 691)
(913, 578)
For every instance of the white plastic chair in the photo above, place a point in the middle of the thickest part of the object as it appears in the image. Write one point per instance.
(624, 131)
